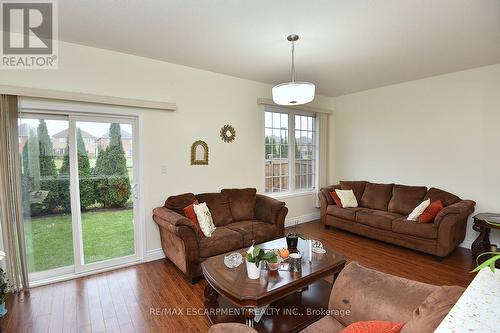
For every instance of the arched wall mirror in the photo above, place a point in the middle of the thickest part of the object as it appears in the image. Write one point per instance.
(199, 153)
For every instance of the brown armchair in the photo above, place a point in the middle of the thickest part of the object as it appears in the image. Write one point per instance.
(240, 215)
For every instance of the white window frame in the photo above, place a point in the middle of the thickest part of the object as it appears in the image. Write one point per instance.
(292, 191)
(81, 111)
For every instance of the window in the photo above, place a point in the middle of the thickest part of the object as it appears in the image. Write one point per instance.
(276, 151)
(284, 129)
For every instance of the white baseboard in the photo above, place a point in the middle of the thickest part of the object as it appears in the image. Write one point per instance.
(467, 243)
(154, 255)
(301, 219)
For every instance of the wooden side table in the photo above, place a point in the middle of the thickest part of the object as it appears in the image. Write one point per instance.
(482, 242)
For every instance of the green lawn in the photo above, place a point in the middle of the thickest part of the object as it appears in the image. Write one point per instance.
(106, 234)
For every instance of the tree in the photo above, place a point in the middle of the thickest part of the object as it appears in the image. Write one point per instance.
(86, 181)
(87, 191)
(33, 158)
(47, 163)
(64, 182)
(113, 185)
(48, 169)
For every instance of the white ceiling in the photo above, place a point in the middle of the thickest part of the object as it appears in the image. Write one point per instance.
(345, 46)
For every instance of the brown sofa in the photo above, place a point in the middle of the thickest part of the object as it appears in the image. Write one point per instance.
(240, 216)
(363, 294)
(382, 211)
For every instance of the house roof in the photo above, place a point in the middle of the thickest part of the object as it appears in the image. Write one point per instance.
(124, 134)
(64, 134)
(24, 129)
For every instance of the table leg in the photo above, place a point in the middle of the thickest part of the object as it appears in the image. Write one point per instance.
(249, 316)
(210, 295)
(482, 242)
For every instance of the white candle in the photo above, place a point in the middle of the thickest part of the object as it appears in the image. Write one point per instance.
(310, 250)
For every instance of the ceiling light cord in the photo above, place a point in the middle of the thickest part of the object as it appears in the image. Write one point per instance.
(292, 74)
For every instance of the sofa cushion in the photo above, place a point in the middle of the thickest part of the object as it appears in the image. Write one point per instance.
(242, 203)
(327, 324)
(376, 218)
(405, 198)
(428, 316)
(413, 228)
(377, 196)
(446, 197)
(178, 202)
(358, 187)
(344, 213)
(218, 204)
(255, 230)
(222, 240)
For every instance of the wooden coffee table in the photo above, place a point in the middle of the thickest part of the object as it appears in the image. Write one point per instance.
(295, 299)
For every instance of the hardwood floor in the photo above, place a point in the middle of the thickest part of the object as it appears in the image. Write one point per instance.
(136, 299)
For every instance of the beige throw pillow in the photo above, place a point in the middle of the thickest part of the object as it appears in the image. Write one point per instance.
(204, 218)
(347, 198)
(419, 210)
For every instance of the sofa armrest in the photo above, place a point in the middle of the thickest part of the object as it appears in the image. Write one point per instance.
(459, 209)
(324, 193)
(267, 209)
(171, 220)
(325, 199)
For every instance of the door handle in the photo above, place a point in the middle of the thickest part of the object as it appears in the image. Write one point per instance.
(135, 191)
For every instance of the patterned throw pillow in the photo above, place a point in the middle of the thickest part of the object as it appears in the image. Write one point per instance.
(347, 198)
(204, 218)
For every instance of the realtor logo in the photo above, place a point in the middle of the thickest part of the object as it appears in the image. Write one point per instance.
(29, 34)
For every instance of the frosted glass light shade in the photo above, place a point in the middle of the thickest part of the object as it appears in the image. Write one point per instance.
(293, 93)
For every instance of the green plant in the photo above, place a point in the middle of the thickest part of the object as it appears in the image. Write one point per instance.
(489, 262)
(111, 174)
(256, 255)
(3, 286)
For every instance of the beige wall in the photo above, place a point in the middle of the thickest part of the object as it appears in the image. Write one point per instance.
(442, 131)
(206, 101)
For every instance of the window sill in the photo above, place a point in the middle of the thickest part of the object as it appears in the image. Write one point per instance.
(287, 195)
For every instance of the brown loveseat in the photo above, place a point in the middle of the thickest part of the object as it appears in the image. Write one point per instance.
(382, 211)
(362, 294)
(240, 216)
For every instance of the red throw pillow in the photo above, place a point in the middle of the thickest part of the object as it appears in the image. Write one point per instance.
(430, 212)
(190, 214)
(336, 198)
(373, 326)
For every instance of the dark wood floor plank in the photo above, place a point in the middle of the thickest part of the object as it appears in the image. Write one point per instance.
(121, 300)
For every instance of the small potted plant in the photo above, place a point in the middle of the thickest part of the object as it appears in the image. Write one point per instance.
(292, 238)
(254, 258)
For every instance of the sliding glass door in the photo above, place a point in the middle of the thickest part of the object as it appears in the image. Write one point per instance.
(79, 193)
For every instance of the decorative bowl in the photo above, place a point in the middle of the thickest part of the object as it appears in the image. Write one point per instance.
(233, 260)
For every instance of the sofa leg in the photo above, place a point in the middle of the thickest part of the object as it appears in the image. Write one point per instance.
(438, 258)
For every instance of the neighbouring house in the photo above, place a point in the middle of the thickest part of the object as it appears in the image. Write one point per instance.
(60, 142)
(103, 142)
(23, 134)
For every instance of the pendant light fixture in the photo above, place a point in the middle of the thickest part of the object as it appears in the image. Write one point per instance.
(293, 92)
